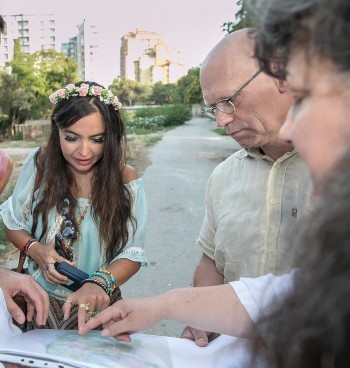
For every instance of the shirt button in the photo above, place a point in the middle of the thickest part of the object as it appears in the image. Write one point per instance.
(272, 201)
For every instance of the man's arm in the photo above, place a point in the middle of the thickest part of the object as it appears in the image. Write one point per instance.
(12, 284)
(206, 274)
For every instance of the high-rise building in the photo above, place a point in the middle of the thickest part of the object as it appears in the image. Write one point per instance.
(70, 48)
(84, 49)
(146, 58)
(34, 31)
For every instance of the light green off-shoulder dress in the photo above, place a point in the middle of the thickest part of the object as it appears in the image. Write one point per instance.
(89, 254)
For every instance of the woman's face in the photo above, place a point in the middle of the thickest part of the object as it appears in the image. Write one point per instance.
(82, 143)
(318, 122)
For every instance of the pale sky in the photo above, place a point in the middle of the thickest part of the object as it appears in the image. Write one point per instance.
(191, 26)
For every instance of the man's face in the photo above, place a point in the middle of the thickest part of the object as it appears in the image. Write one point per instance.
(318, 121)
(258, 115)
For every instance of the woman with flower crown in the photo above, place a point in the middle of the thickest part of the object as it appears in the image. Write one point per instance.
(77, 201)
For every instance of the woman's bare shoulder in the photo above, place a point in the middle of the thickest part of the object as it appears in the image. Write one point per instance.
(129, 174)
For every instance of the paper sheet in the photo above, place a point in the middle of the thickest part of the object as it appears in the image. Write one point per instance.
(57, 348)
(66, 349)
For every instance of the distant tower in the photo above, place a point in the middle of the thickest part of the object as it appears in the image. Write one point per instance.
(145, 57)
(88, 51)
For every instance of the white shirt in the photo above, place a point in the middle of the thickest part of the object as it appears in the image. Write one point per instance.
(259, 294)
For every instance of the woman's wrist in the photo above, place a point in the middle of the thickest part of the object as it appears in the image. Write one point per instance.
(29, 248)
(27, 245)
(107, 278)
(96, 282)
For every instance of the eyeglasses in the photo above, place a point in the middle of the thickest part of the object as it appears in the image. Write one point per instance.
(226, 105)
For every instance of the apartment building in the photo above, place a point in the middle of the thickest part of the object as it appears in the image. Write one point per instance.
(35, 32)
(146, 58)
(84, 48)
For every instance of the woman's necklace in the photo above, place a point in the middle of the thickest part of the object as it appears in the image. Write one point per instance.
(84, 212)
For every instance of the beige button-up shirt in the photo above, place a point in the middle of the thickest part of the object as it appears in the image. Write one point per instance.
(252, 205)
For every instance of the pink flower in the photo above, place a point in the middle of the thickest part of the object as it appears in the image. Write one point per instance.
(83, 89)
(97, 90)
(61, 93)
(52, 98)
(70, 86)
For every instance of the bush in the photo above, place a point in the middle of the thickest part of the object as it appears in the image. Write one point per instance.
(157, 118)
(176, 114)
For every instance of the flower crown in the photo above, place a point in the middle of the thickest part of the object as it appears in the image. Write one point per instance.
(71, 90)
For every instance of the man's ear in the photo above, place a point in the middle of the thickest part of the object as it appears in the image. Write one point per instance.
(277, 68)
(282, 85)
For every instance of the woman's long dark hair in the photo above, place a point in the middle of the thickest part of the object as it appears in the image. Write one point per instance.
(111, 200)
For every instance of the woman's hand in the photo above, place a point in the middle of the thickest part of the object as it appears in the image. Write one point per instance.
(46, 257)
(91, 300)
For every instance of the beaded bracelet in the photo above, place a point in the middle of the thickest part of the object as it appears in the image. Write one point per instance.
(109, 274)
(96, 282)
(112, 279)
(105, 279)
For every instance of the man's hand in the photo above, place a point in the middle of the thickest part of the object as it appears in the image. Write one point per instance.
(12, 284)
(201, 338)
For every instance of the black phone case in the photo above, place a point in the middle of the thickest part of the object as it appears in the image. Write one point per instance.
(75, 276)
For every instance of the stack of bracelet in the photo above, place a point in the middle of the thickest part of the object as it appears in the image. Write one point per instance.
(26, 247)
(110, 281)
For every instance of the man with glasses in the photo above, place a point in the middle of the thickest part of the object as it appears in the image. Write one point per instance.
(254, 197)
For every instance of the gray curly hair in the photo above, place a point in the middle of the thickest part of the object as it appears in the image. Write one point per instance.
(319, 27)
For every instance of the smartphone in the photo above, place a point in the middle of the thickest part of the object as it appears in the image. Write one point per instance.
(75, 276)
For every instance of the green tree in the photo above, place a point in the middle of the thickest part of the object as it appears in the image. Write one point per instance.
(15, 99)
(189, 89)
(54, 70)
(130, 92)
(18, 88)
(243, 17)
(163, 93)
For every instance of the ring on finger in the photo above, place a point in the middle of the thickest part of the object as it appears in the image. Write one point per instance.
(85, 306)
(68, 302)
(47, 265)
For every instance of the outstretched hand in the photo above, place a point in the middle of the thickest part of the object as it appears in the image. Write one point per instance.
(37, 299)
(125, 317)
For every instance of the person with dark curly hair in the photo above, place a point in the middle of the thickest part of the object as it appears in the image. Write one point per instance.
(77, 203)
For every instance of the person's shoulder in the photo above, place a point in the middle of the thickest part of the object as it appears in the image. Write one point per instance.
(129, 174)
